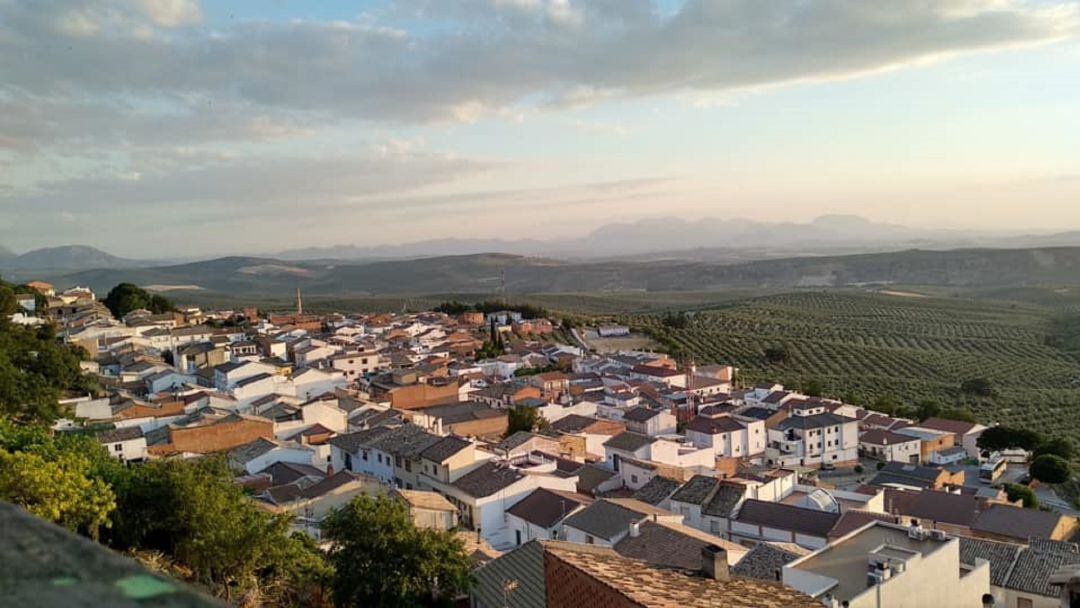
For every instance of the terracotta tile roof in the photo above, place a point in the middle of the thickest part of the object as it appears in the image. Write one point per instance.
(648, 586)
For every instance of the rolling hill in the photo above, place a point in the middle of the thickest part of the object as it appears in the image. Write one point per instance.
(67, 258)
(491, 273)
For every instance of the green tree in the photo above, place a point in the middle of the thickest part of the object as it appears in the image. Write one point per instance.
(956, 413)
(1049, 468)
(997, 438)
(776, 354)
(34, 370)
(522, 419)
(194, 512)
(1058, 447)
(813, 388)
(1017, 492)
(886, 404)
(382, 560)
(59, 490)
(927, 408)
(979, 387)
(127, 297)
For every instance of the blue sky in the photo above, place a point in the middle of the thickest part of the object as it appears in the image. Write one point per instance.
(262, 125)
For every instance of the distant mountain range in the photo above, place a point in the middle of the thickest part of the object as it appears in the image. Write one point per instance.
(707, 239)
(492, 273)
(66, 258)
(657, 255)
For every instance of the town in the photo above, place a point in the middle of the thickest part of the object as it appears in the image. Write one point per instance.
(568, 472)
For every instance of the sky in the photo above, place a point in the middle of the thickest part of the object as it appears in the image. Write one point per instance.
(170, 128)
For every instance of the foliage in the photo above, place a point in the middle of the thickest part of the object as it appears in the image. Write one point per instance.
(813, 388)
(886, 404)
(880, 465)
(861, 346)
(957, 413)
(979, 387)
(34, 370)
(1049, 468)
(676, 320)
(776, 354)
(1017, 492)
(523, 419)
(189, 511)
(194, 512)
(59, 490)
(381, 559)
(127, 297)
(859, 469)
(454, 307)
(997, 438)
(1058, 447)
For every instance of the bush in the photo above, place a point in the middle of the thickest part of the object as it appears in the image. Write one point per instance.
(880, 465)
(1019, 492)
(859, 469)
(776, 354)
(979, 387)
(1049, 468)
(1058, 447)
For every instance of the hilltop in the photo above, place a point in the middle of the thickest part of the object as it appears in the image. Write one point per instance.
(492, 273)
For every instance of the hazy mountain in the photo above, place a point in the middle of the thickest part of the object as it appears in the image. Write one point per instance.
(490, 273)
(672, 236)
(66, 258)
(5, 254)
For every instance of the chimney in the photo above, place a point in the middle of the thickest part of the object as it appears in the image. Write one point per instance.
(714, 563)
(635, 529)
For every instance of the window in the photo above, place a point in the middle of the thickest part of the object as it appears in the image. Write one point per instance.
(118, 447)
(589, 540)
(633, 479)
(1023, 602)
(364, 455)
(397, 461)
(714, 526)
(408, 466)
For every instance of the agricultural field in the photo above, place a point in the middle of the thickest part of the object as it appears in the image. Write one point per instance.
(860, 347)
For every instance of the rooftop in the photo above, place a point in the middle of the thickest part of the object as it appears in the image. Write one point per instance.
(845, 561)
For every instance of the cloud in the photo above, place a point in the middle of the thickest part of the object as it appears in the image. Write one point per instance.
(490, 54)
(149, 105)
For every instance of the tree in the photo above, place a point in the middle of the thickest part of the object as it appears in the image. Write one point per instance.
(1049, 468)
(1058, 447)
(523, 419)
(979, 387)
(453, 307)
(194, 512)
(956, 413)
(382, 560)
(1017, 492)
(886, 404)
(127, 297)
(58, 490)
(34, 370)
(776, 354)
(997, 438)
(813, 388)
(927, 408)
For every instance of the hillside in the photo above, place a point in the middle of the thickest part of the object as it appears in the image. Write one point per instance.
(490, 273)
(68, 258)
(864, 347)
